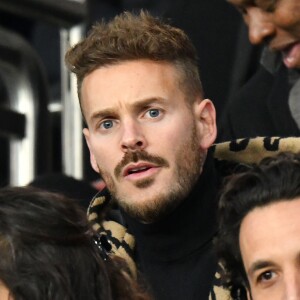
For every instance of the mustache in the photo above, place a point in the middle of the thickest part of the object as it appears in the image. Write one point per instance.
(133, 157)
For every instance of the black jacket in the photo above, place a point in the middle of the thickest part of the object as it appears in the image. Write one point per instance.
(260, 109)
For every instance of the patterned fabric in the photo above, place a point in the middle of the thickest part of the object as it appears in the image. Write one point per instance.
(218, 292)
(241, 151)
(121, 241)
(253, 150)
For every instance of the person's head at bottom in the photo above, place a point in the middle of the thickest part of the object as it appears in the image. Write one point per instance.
(259, 242)
(48, 251)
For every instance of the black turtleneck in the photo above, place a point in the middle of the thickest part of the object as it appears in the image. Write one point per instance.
(175, 255)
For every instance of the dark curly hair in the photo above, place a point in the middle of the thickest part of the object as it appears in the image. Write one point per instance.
(274, 179)
(47, 251)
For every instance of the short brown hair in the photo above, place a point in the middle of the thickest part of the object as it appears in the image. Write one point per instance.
(132, 37)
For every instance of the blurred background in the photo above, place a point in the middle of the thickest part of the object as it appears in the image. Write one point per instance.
(40, 119)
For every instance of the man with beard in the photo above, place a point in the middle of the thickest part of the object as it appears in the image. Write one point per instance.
(268, 105)
(148, 131)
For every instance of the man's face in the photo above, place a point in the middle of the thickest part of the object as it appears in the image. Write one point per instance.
(276, 23)
(270, 248)
(144, 140)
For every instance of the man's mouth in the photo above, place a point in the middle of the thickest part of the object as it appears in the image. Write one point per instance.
(138, 165)
(291, 55)
(139, 171)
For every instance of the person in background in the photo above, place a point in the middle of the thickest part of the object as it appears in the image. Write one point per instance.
(79, 190)
(148, 129)
(48, 251)
(258, 242)
(268, 104)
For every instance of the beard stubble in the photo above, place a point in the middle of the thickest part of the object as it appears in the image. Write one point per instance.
(190, 160)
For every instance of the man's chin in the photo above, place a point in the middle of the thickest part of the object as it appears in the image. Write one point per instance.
(144, 183)
(146, 215)
(150, 208)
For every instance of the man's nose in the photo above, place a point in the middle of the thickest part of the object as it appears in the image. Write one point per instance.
(260, 25)
(133, 138)
(292, 284)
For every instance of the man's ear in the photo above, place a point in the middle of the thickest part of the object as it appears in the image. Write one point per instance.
(206, 122)
(93, 161)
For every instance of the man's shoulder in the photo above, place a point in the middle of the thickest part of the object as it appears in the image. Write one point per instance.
(258, 89)
(260, 84)
(247, 112)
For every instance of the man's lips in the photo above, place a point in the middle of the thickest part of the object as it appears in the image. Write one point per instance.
(134, 170)
(290, 53)
(282, 46)
(139, 164)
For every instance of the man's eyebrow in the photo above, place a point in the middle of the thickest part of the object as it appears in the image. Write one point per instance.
(260, 264)
(138, 104)
(147, 101)
(102, 114)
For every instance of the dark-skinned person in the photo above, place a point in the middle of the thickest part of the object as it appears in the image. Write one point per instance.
(268, 104)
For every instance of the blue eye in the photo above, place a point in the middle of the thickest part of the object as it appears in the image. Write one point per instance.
(153, 113)
(107, 124)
